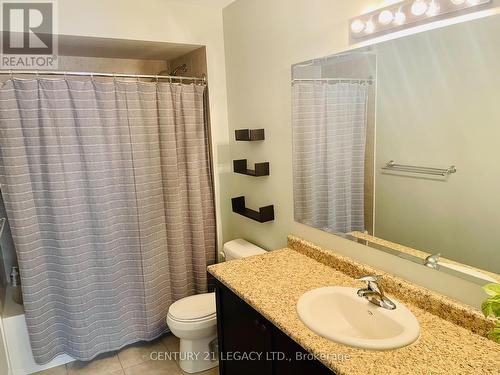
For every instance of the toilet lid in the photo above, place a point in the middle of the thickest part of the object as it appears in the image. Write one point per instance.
(193, 307)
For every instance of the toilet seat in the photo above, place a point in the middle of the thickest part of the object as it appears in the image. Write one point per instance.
(194, 309)
(200, 320)
(188, 328)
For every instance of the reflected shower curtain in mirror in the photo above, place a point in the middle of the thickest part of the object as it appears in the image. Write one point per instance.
(108, 191)
(329, 136)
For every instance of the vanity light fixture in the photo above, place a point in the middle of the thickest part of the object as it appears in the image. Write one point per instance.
(385, 17)
(433, 9)
(419, 7)
(370, 26)
(408, 13)
(399, 17)
(357, 26)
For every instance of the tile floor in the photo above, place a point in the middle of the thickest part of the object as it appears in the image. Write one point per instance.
(131, 360)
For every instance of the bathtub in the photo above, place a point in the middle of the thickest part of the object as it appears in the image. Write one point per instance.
(16, 339)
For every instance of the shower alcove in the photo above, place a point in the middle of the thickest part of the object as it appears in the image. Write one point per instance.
(86, 54)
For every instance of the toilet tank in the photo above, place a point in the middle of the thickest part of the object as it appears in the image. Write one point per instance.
(240, 248)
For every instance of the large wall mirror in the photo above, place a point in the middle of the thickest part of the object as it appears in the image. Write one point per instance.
(397, 146)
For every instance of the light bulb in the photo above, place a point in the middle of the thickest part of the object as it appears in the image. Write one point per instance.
(433, 9)
(399, 17)
(458, 2)
(385, 17)
(370, 27)
(419, 7)
(357, 26)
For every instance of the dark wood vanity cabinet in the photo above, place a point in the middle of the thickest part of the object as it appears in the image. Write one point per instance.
(250, 345)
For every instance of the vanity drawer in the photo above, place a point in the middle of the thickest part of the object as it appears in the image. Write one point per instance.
(250, 344)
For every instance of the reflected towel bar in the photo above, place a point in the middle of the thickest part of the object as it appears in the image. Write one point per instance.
(392, 166)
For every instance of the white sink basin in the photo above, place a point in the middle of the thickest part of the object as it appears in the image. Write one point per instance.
(338, 314)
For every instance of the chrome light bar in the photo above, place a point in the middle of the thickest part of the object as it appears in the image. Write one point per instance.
(407, 14)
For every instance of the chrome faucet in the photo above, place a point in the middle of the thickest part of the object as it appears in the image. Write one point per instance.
(374, 293)
(432, 261)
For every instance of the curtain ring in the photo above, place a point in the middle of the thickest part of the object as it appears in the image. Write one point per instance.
(65, 76)
(170, 79)
(92, 77)
(11, 74)
(114, 77)
(156, 77)
(180, 80)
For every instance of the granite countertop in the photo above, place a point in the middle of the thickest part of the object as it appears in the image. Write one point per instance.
(272, 284)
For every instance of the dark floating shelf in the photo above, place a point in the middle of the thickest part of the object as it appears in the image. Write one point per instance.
(249, 135)
(264, 214)
(261, 169)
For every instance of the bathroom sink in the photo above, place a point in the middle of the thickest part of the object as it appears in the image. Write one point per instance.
(338, 314)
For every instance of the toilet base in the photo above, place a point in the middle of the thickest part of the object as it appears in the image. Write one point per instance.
(196, 355)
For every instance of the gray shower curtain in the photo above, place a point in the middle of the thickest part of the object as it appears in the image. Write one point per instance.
(108, 191)
(329, 136)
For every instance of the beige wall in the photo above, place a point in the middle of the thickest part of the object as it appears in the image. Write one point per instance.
(438, 105)
(175, 21)
(263, 39)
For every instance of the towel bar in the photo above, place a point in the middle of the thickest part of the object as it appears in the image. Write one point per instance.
(393, 166)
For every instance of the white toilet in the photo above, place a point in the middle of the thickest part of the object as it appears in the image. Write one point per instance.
(193, 319)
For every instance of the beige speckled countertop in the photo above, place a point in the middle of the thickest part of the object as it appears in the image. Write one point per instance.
(272, 284)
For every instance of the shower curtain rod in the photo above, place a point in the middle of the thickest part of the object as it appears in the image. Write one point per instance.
(99, 74)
